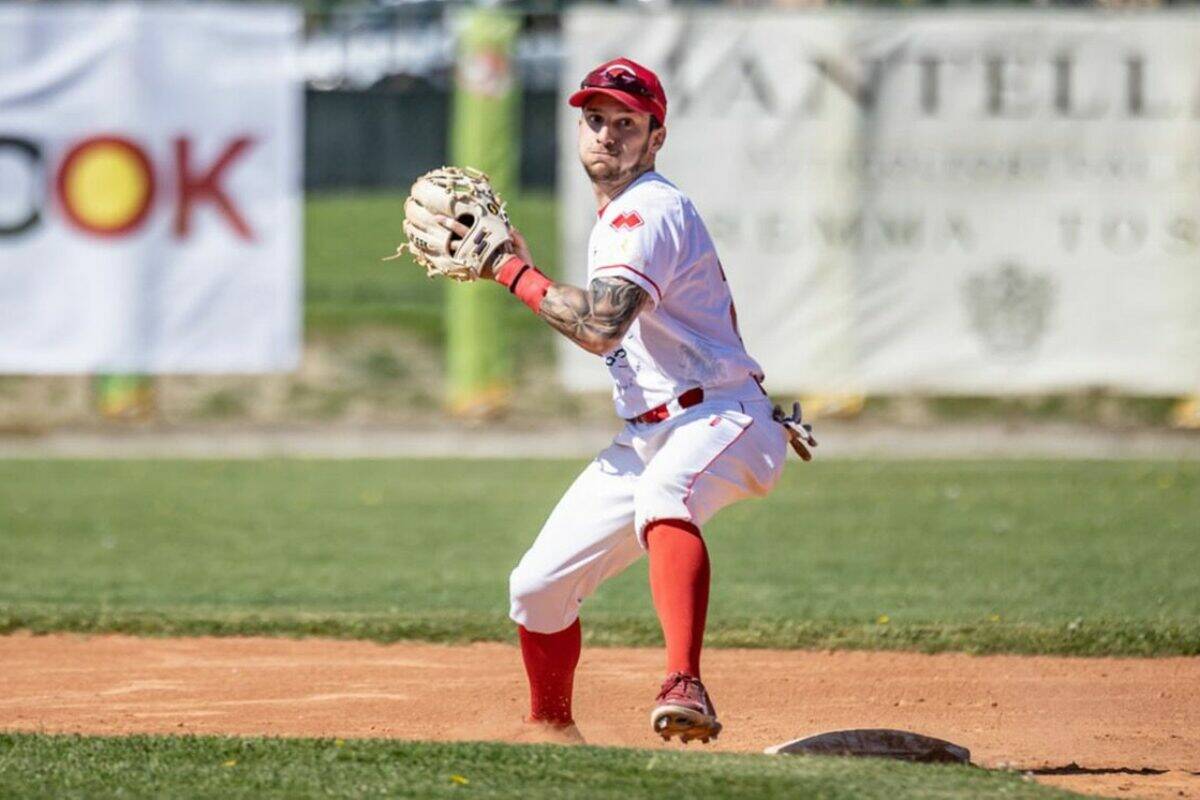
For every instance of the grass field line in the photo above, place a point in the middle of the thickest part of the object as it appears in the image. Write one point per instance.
(839, 440)
(1091, 638)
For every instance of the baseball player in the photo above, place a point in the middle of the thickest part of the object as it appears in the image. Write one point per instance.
(699, 433)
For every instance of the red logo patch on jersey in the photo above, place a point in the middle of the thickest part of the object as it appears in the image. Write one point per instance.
(629, 220)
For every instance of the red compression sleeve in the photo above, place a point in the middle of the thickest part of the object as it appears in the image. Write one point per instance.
(523, 280)
(550, 661)
(679, 579)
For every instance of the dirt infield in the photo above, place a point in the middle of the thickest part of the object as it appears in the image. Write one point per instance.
(1120, 727)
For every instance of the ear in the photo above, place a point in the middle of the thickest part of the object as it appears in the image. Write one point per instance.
(658, 138)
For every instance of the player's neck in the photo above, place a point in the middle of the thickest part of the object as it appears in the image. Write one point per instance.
(605, 192)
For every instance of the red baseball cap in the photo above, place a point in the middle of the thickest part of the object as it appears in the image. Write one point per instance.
(627, 81)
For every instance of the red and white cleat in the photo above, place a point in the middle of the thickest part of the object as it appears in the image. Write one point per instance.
(684, 709)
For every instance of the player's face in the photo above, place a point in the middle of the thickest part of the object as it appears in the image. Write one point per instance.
(615, 142)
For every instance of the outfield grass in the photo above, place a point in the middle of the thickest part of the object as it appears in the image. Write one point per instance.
(143, 766)
(346, 282)
(1056, 557)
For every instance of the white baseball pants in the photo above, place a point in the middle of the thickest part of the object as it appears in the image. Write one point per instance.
(687, 467)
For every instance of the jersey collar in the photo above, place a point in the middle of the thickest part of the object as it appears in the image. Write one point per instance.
(644, 176)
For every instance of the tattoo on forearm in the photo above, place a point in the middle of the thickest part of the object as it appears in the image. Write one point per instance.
(595, 316)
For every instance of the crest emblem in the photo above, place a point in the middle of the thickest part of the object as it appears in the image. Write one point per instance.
(1009, 308)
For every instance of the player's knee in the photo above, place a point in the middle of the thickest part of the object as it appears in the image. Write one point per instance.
(525, 586)
(657, 500)
(535, 601)
(657, 496)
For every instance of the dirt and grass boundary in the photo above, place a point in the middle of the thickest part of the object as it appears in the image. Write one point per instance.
(1082, 638)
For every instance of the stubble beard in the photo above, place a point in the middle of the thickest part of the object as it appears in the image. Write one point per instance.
(605, 176)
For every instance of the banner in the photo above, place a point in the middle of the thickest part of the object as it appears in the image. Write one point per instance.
(970, 202)
(150, 188)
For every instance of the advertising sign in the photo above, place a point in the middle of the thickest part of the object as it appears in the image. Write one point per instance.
(994, 202)
(150, 188)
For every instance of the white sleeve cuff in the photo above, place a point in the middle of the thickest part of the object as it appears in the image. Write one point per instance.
(633, 276)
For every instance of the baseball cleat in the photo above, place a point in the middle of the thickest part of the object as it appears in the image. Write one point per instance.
(684, 709)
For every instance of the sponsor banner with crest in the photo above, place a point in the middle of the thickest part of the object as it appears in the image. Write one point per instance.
(990, 202)
(150, 188)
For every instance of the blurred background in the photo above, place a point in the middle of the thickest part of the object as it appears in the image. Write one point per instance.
(980, 223)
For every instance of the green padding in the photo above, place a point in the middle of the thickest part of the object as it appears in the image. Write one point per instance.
(485, 135)
(125, 396)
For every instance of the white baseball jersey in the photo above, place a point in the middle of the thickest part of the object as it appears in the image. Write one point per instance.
(652, 235)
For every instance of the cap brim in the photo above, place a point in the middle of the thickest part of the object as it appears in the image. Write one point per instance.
(633, 101)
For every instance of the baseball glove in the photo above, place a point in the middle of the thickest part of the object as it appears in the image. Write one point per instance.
(465, 195)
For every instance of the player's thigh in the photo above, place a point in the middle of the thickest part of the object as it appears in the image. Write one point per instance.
(723, 456)
(588, 538)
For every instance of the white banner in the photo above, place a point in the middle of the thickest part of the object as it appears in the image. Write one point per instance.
(150, 188)
(961, 202)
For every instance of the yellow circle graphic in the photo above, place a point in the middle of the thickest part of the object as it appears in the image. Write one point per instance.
(106, 185)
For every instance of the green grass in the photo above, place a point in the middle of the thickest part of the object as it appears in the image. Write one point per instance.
(1053, 557)
(142, 766)
(346, 283)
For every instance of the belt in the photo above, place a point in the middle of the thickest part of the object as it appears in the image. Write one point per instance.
(691, 397)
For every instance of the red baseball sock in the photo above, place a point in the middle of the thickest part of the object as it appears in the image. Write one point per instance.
(550, 661)
(679, 578)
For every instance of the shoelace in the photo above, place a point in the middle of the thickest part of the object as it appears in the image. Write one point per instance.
(677, 678)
